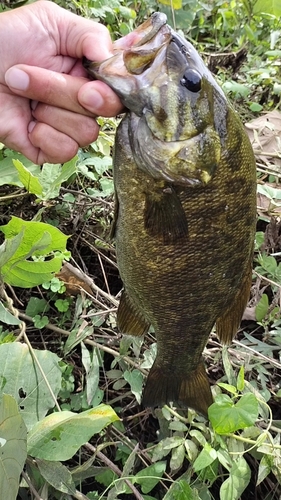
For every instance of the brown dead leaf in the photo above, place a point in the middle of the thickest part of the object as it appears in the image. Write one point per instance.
(265, 136)
(73, 283)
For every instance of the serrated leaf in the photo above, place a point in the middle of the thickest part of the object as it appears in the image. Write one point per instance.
(57, 475)
(239, 478)
(29, 181)
(59, 435)
(12, 447)
(21, 378)
(227, 417)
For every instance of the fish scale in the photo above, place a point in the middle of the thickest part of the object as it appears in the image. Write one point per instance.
(184, 175)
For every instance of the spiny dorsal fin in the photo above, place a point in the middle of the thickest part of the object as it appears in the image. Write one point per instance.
(164, 216)
(129, 319)
(188, 391)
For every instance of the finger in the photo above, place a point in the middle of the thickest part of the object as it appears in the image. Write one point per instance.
(99, 99)
(47, 86)
(53, 146)
(82, 129)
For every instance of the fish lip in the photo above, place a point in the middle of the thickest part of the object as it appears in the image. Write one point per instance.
(154, 32)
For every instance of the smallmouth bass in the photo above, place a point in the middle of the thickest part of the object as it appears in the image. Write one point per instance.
(185, 182)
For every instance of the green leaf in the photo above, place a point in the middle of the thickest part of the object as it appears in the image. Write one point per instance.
(239, 478)
(21, 378)
(6, 317)
(135, 379)
(267, 6)
(150, 476)
(30, 182)
(177, 458)
(227, 417)
(53, 175)
(59, 435)
(240, 379)
(205, 458)
(36, 306)
(175, 4)
(180, 490)
(57, 475)
(262, 307)
(12, 447)
(39, 240)
(9, 173)
(9, 248)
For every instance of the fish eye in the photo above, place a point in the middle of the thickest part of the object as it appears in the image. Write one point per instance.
(191, 80)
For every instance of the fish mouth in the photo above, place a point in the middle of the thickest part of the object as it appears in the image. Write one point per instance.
(120, 70)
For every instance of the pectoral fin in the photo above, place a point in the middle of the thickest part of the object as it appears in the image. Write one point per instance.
(228, 324)
(129, 320)
(164, 216)
(190, 391)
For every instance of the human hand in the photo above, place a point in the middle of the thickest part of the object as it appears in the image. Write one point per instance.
(48, 107)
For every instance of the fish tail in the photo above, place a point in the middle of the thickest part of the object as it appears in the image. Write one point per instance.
(188, 391)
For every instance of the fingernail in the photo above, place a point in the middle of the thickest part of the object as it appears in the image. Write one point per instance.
(17, 79)
(31, 126)
(92, 100)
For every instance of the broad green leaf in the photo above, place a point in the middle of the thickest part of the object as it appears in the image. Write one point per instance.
(175, 4)
(150, 476)
(265, 468)
(268, 7)
(57, 475)
(9, 248)
(180, 490)
(205, 458)
(239, 478)
(52, 176)
(6, 317)
(227, 417)
(33, 231)
(59, 435)
(9, 173)
(37, 239)
(30, 182)
(12, 447)
(21, 378)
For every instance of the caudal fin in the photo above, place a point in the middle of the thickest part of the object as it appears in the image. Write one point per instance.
(188, 392)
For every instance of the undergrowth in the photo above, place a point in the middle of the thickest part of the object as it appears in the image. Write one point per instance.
(70, 413)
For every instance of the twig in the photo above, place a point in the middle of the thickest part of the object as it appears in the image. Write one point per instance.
(31, 487)
(102, 347)
(114, 468)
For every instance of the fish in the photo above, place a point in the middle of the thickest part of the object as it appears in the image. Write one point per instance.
(185, 210)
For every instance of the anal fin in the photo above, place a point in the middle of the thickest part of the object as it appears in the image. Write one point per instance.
(164, 216)
(129, 319)
(228, 323)
(191, 391)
